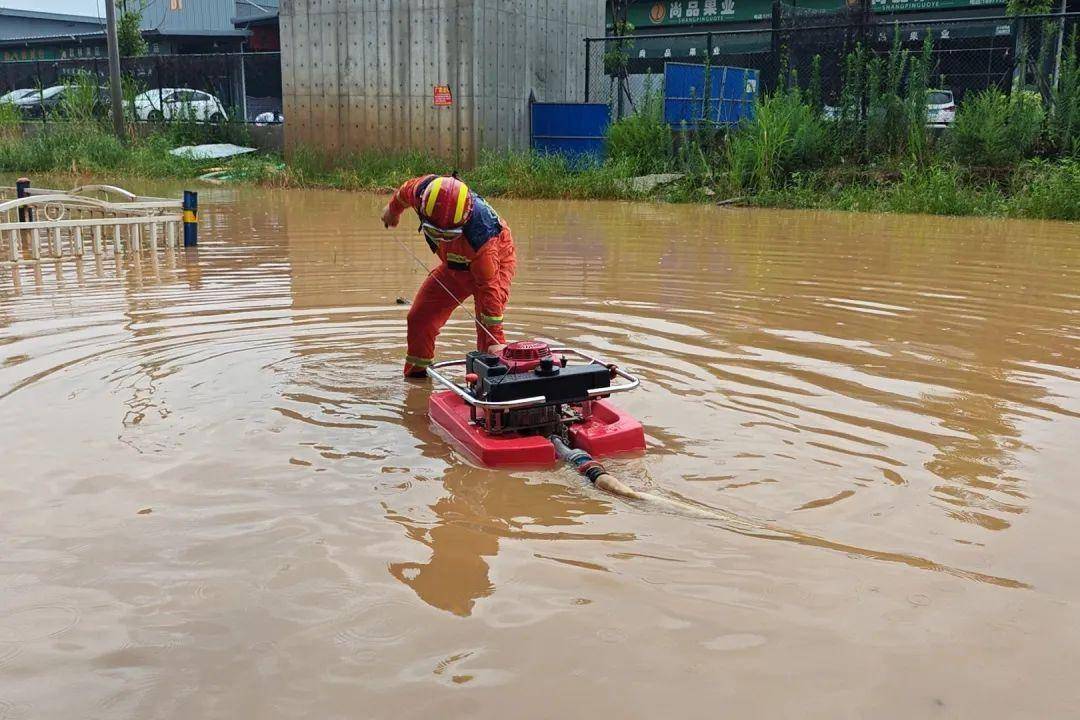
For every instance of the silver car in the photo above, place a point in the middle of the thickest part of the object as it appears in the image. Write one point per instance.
(15, 95)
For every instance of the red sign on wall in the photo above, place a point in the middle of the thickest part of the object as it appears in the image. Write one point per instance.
(442, 96)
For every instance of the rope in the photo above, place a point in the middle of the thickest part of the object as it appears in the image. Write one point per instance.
(460, 303)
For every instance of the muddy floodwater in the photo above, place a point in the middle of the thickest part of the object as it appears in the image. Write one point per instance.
(218, 499)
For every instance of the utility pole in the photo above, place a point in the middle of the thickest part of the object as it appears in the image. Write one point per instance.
(115, 95)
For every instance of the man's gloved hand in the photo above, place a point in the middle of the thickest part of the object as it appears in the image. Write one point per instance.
(389, 217)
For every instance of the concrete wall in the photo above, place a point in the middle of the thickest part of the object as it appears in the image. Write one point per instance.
(358, 74)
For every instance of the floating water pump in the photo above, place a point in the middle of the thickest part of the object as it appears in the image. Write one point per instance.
(510, 404)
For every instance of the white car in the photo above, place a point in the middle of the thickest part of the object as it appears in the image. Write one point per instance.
(179, 103)
(940, 108)
(15, 95)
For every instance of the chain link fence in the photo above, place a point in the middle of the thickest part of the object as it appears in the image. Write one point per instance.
(237, 87)
(968, 54)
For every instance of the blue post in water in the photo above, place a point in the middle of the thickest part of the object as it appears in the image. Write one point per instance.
(191, 218)
(22, 189)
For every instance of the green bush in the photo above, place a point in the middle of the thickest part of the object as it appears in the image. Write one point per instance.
(992, 129)
(1063, 124)
(881, 108)
(10, 121)
(81, 100)
(1048, 190)
(642, 142)
(785, 134)
(1026, 120)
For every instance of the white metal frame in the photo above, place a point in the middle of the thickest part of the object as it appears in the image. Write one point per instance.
(75, 220)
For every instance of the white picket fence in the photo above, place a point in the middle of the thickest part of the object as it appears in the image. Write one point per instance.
(91, 218)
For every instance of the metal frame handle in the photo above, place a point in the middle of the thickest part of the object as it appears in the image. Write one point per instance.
(434, 374)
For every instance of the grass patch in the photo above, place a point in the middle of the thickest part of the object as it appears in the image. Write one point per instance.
(1048, 190)
(511, 174)
(785, 157)
(83, 148)
(642, 143)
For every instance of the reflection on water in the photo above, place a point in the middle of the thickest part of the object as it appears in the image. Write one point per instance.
(478, 509)
(895, 399)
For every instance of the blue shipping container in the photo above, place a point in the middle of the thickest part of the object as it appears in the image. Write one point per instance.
(575, 130)
(730, 94)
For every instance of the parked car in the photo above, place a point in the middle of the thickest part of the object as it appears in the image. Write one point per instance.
(940, 108)
(36, 103)
(14, 95)
(50, 100)
(178, 103)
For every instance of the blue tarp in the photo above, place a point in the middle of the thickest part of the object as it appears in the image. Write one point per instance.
(730, 94)
(575, 130)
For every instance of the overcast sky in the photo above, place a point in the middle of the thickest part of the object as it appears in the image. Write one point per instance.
(72, 7)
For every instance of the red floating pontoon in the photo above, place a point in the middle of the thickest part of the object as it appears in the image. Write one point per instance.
(511, 403)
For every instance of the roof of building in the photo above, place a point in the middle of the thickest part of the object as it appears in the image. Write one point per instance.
(56, 17)
(270, 18)
(255, 8)
(100, 37)
(26, 24)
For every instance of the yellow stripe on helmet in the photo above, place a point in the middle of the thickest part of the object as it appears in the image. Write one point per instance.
(433, 195)
(459, 213)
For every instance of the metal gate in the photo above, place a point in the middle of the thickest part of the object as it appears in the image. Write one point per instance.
(575, 130)
(710, 95)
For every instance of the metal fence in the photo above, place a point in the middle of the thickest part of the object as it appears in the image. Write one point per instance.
(968, 54)
(238, 87)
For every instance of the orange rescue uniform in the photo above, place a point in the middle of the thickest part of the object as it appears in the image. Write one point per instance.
(479, 262)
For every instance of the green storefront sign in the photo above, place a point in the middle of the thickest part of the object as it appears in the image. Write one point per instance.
(899, 6)
(668, 13)
(697, 12)
(25, 53)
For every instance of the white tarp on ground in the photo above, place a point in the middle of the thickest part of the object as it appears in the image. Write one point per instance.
(210, 152)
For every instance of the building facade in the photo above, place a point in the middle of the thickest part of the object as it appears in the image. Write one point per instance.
(169, 27)
(450, 78)
(975, 43)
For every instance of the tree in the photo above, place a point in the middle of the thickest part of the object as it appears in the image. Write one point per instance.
(617, 52)
(128, 27)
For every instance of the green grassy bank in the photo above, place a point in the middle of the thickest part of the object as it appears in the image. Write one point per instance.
(1012, 155)
(1033, 188)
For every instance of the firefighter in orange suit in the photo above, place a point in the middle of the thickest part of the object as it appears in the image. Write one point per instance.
(477, 258)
